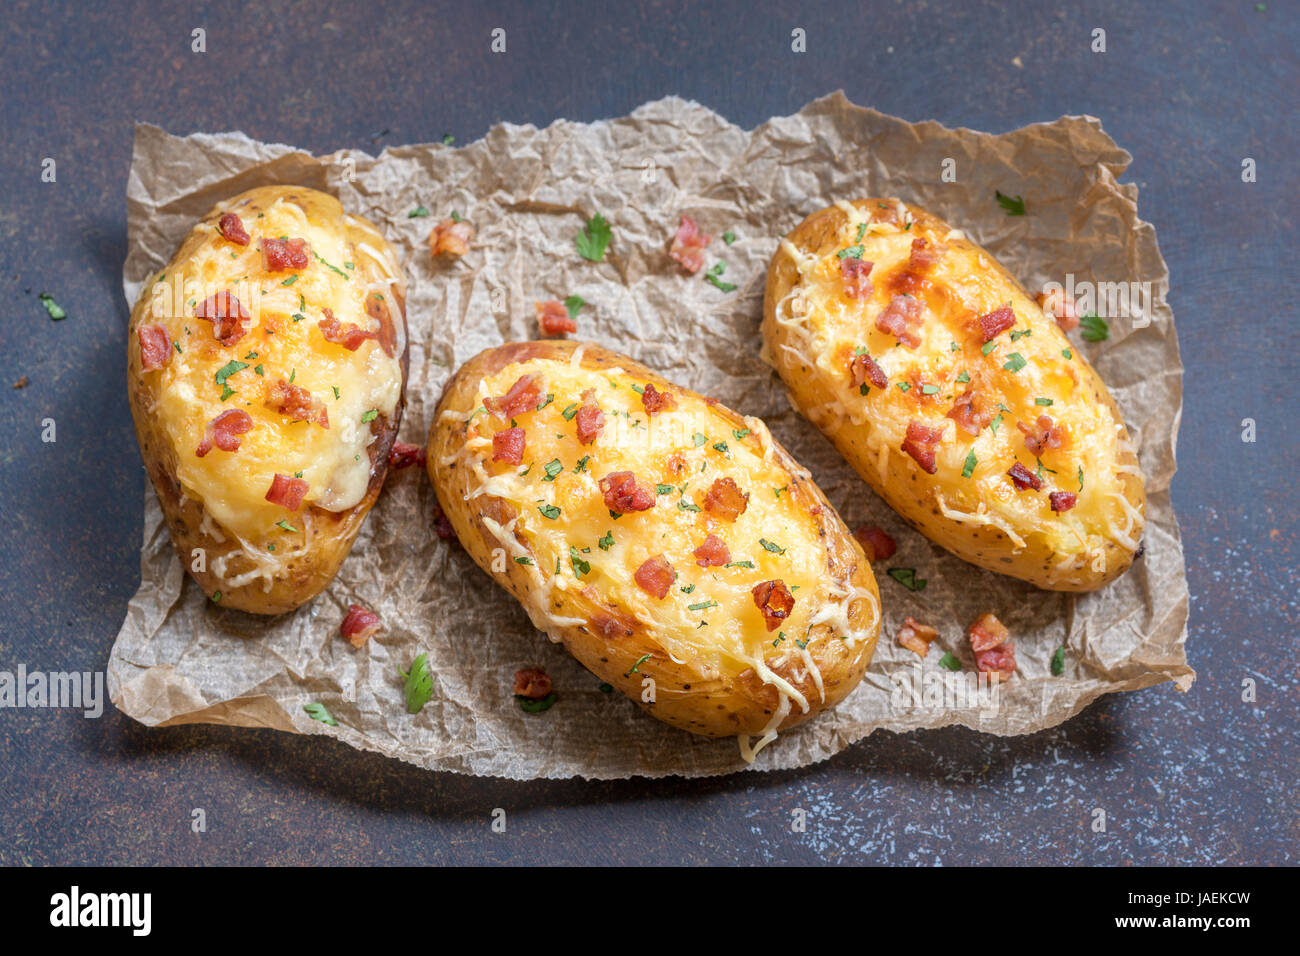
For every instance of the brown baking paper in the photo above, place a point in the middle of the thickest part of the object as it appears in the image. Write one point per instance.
(181, 659)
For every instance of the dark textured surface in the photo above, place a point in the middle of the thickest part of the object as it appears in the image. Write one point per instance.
(1189, 89)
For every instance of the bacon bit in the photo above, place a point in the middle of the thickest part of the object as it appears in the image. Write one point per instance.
(923, 255)
(287, 492)
(155, 348)
(854, 273)
(359, 625)
(688, 245)
(623, 495)
(377, 309)
(655, 576)
(281, 255)
(774, 600)
(296, 403)
(916, 637)
(920, 443)
(901, 319)
(1062, 500)
(451, 237)
(508, 446)
(349, 335)
(971, 411)
(522, 397)
(404, 455)
(876, 542)
(232, 228)
(532, 683)
(993, 655)
(906, 282)
(591, 421)
(1042, 436)
(21, 383)
(725, 500)
(224, 431)
(864, 370)
(553, 318)
(713, 553)
(1024, 478)
(656, 401)
(1061, 307)
(442, 525)
(996, 322)
(228, 316)
(677, 464)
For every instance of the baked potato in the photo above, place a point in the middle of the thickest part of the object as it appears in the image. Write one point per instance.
(953, 394)
(656, 534)
(266, 376)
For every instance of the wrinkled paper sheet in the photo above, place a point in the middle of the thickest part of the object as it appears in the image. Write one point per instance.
(179, 659)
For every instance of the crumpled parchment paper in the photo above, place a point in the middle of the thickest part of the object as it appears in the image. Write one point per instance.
(180, 659)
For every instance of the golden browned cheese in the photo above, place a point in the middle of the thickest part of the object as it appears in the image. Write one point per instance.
(316, 410)
(701, 656)
(945, 372)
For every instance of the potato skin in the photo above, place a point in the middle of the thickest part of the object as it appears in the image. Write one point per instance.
(1078, 550)
(306, 561)
(599, 624)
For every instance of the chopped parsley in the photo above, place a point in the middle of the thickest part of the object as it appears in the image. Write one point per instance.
(1014, 205)
(1095, 328)
(579, 565)
(582, 464)
(907, 578)
(549, 511)
(318, 712)
(712, 276)
(594, 238)
(290, 281)
(968, 468)
(904, 386)
(606, 542)
(332, 268)
(419, 684)
(740, 564)
(702, 606)
(852, 252)
(1020, 333)
(722, 447)
(684, 505)
(1058, 661)
(1067, 353)
(1043, 401)
(1015, 362)
(929, 389)
(1080, 477)
(700, 439)
(284, 523)
(964, 377)
(573, 303)
(524, 559)
(771, 546)
(419, 212)
(640, 660)
(664, 489)
(950, 662)
(369, 416)
(53, 308)
(740, 433)
(530, 706)
(569, 412)
(988, 346)
(553, 468)
(229, 369)
(728, 237)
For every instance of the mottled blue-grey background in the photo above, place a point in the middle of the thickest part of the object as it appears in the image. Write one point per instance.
(1189, 88)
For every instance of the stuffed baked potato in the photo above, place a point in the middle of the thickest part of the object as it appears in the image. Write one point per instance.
(266, 376)
(670, 544)
(953, 394)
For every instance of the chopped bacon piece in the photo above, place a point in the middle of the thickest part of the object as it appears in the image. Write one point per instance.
(287, 492)
(923, 255)
(522, 397)
(865, 371)
(876, 542)
(1043, 435)
(442, 524)
(359, 625)
(986, 632)
(591, 421)
(155, 347)
(224, 431)
(688, 245)
(1024, 478)
(377, 309)
(774, 600)
(508, 446)
(971, 411)
(623, 495)
(655, 576)
(347, 334)
(902, 319)
(404, 455)
(920, 443)
(677, 464)
(993, 655)
(1062, 500)
(553, 318)
(996, 322)
(451, 237)
(281, 255)
(712, 553)
(725, 500)
(916, 637)
(656, 401)
(532, 683)
(232, 229)
(854, 275)
(1061, 307)
(228, 316)
(296, 403)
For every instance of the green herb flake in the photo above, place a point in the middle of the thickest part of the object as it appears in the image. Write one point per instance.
(740, 433)
(950, 662)
(370, 416)
(929, 389)
(332, 268)
(964, 377)
(1015, 362)
(582, 464)
(419, 212)
(1080, 477)
(53, 309)
(740, 564)
(606, 688)
(771, 546)
(318, 712)
(419, 684)
(988, 347)
(996, 424)
(702, 606)
(524, 560)
(1043, 401)
(569, 412)
(549, 511)
(852, 252)
(553, 468)
(284, 523)
(579, 565)
(594, 238)
(664, 489)
(1014, 205)
(700, 439)
(640, 660)
(606, 542)
(226, 391)
(1058, 661)
(530, 706)
(728, 237)
(1067, 353)
(1020, 333)
(290, 281)
(907, 578)
(229, 369)
(904, 386)
(573, 303)
(684, 505)
(1095, 328)
(448, 139)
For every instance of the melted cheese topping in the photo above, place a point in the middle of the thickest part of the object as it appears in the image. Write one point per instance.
(571, 541)
(283, 342)
(1030, 370)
